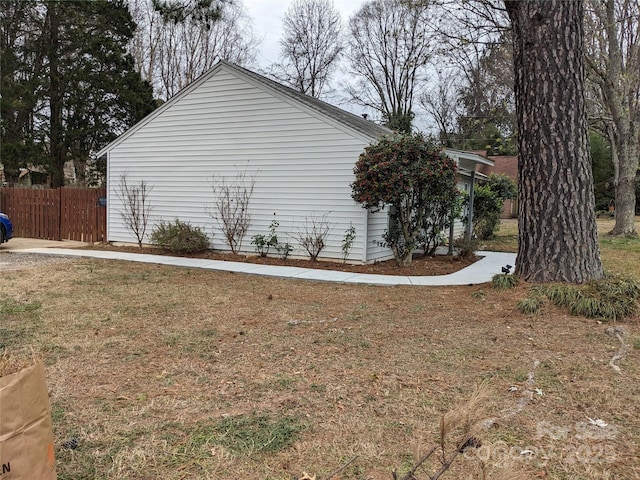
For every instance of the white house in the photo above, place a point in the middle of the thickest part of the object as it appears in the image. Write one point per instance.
(300, 151)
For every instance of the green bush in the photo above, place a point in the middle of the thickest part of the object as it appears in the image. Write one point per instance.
(488, 202)
(410, 176)
(264, 242)
(179, 237)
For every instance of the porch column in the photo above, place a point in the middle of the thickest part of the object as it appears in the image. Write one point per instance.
(469, 231)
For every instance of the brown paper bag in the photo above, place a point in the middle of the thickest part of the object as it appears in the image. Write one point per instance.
(26, 435)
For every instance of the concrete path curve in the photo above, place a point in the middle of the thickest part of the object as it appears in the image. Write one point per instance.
(480, 272)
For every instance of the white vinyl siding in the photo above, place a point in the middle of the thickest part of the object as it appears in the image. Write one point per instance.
(302, 164)
(377, 224)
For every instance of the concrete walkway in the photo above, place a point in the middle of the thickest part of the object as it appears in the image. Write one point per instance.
(480, 272)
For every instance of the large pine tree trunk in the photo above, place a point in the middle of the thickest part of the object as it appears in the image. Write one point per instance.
(558, 238)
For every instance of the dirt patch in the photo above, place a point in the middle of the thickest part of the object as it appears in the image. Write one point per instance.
(422, 265)
(18, 261)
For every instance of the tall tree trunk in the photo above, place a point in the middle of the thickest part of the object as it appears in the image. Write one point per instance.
(622, 103)
(557, 227)
(625, 187)
(56, 134)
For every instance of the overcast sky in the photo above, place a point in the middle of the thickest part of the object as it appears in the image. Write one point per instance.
(267, 20)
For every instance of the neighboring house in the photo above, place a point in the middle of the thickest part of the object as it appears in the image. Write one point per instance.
(34, 176)
(301, 152)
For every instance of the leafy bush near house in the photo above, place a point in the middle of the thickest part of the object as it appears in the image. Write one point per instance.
(488, 200)
(416, 180)
(179, 237)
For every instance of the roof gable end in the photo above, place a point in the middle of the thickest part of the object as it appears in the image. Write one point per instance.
(318, 108)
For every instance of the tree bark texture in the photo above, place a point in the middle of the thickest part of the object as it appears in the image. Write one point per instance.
(556, 214)
(56, 134)
(625, 187)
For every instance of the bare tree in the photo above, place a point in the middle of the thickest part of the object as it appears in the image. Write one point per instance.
(613, 57)
(174, 46)
(389, 48)
(557, 234)
(135, 206)
(230, 210)
(310, 46)
(442, 105)
(475, 42)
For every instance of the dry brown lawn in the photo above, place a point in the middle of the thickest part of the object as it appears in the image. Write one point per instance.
(176, 373)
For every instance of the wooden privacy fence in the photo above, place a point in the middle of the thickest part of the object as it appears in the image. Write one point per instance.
(57, 214)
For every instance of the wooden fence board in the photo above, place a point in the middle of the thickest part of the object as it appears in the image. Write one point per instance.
(56, 214)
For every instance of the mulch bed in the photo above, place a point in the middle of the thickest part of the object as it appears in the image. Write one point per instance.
(422, 265)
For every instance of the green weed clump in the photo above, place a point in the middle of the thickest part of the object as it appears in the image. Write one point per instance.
(503, 281)
(179, 237)
(531, 305)
(609, 299)
(248, 434)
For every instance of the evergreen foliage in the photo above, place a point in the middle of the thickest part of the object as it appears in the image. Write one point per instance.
(179, 237)
(416, 181)
(488, 201)
(69, 86)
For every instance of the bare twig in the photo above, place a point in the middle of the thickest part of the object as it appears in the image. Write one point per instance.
(410, 474)
(340, 469)
(231, 207)
(313, 236)
(135, 206)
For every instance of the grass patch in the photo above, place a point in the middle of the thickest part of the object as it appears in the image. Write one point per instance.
(531, 305)
(18, 322)
(9, 306)
(503, 281)
(251, 434)
(609, 299)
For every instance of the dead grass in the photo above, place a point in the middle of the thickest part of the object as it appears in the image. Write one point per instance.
(147, 365)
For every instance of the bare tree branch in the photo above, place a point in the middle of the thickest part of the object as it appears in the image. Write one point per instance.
(310, 47)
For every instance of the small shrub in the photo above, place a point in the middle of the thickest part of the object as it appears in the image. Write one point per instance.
(264, 242)
(479, 295)
(503, 281)
(466, 248)
(179, 237)
(284, 249)
(347, 241)
(231, 197)
(313, 236)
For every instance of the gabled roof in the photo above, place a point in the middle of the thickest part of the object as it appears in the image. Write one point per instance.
(354, 122)
(367, 127)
